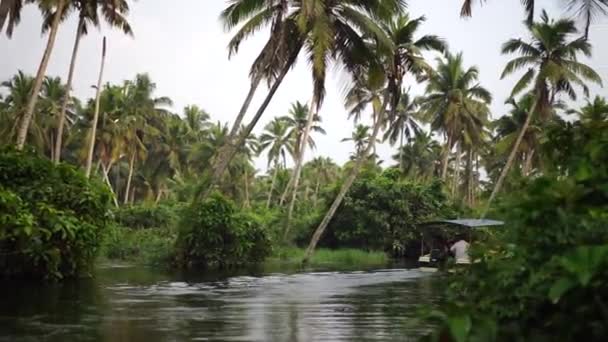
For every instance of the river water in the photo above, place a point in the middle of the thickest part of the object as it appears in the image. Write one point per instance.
(124, 303)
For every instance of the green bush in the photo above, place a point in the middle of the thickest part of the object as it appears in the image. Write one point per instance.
(154, 246)
(382, 212)
(215, 234)
(147, 216)
(546, 275)
(51, 217)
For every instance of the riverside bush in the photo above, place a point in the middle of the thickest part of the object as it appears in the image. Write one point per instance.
(215, 234)
(51, 217)
(143, 216)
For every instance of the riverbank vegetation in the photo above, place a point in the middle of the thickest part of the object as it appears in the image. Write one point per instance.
(125, 174)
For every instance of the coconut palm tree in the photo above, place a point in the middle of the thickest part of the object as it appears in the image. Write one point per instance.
(587, 10)
(114, 13)
(551, 59)
(51, 8)
(403, 124)
(453, 101)
(592, 112)
(322, 171)
(360, 137)
(297, 120)
(277, 139)
(418, 159)
(385, 68)
(19, 88)
(333, 30)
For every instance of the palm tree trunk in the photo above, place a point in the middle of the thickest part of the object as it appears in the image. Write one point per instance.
(528, 163)
(96, 115)
(68, 89)
(446, 156)
(131, 167)
(316, 198)
(298, 169)
(274, 179)
(345, 186)
(456, 181)
(246, 204)
(105, 172)
(29, 112)
(469, 175)
(511, 159)
(230, 150)
(401, 152)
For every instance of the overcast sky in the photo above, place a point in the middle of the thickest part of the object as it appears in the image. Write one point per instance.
(183, 48)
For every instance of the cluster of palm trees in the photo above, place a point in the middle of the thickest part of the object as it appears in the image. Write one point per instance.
(141, 149)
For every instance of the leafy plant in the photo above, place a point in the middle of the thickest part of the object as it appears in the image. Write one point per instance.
(51, 217)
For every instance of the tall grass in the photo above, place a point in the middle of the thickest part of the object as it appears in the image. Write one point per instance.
(332, 257)
(152, 246)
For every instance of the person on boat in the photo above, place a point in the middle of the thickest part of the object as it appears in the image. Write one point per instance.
(460, 250)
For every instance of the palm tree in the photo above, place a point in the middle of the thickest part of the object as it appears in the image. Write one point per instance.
(322, 171)
(55, 10)
(276, 138)
(553, 68)
(332, 29)
(19, 88)
(418, 159)
(386, 68)
(297, 120)
(197, 122)
(587, 10)
(52, 94)
(114, 13)
(360, 137)
(96, 115)
(592, 112)
(403, 124)
(453, 101)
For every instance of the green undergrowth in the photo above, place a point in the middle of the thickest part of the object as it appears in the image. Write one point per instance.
(331, 257)
(152, 247)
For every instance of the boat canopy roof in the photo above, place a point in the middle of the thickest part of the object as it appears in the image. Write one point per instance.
(468, 223)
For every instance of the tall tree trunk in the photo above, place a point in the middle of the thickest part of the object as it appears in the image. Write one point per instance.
(528, 163)
(510, 160)
(230, 150)
(131, 167)
(246, 204)
(469, 175)
(446, 157)
(346, 185)
(68, 89)
(456, 181)
(316, 198)
(44, 63)
(297, 172)
(96, 115)
(105, 172)
(401, 153)
(274, 179)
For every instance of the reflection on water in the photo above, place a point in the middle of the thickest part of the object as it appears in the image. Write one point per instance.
(138, 304)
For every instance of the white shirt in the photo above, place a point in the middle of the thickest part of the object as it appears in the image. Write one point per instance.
(460, 250)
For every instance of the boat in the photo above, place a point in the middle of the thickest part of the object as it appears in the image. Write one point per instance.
(438, 252)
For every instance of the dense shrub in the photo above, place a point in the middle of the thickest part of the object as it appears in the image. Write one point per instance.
(215, 234)
(546, 276)
(147, 216)
(51, 217)
(154, 246)
(381, 212)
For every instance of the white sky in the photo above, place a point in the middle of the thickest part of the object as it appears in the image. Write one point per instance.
(183, 48)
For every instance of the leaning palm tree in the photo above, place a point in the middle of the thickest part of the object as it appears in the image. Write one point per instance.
(551, 59)
(113, 12)
(55, 10)
(276, 138)
(325, 29)
(385, 68)
(587, 10)
(453, 101)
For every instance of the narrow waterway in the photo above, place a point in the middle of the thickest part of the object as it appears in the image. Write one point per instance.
(141, 304)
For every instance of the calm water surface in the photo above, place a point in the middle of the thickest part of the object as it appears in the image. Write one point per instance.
(140, 304)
